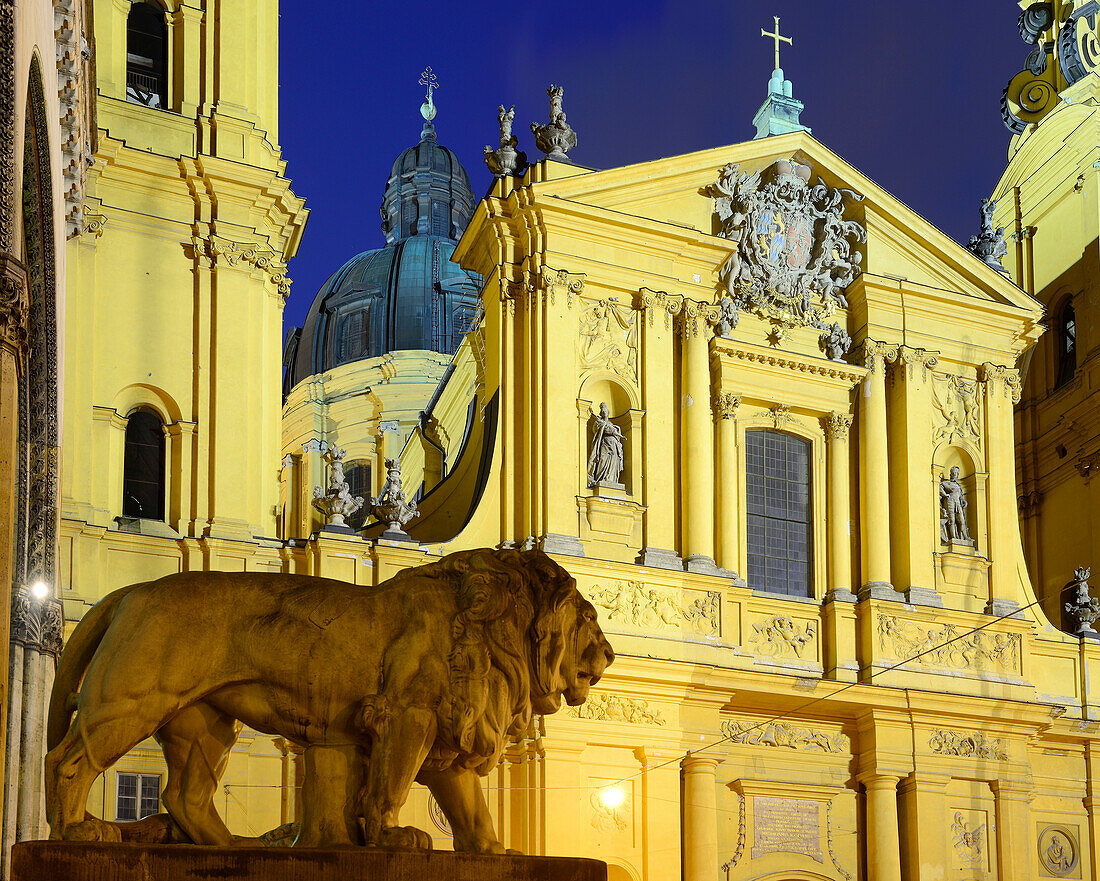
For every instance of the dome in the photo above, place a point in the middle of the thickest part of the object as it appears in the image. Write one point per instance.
(408, 294)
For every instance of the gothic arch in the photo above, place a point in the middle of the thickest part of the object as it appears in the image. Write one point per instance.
(36, 531)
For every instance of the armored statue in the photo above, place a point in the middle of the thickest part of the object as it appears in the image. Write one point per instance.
(425, 677)
(606, 460)
(953, 509)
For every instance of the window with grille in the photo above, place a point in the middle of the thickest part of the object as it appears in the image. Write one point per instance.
(137, 796)
(1067, 344)
(441, 220)
(357, 474)
(147, 55)
(143, 466)
(778, 484)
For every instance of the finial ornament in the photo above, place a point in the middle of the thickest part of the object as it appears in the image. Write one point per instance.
(557, 137)
(1084, 609)
(428, 80)
(777, 38)
(391, 507)
(336, 502)
(506, 159)
(989, 245)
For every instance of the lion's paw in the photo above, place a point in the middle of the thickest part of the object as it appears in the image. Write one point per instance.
(481, 845)
(405, 836)
(92, 829)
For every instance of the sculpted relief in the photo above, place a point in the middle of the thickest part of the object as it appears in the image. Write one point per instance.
(427, 676)
(957, 415)
(609, 338)
(657, 608)
(947, 646)
(794, 252)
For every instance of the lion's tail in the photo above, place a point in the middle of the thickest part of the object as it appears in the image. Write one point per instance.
(75, 658)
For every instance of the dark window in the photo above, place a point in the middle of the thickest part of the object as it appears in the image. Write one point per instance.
(778, 483)
(143, 469)
(441, 225)
(1067, 344)
(147, 55)
(351, 344)
(138, 796)
(357, 475)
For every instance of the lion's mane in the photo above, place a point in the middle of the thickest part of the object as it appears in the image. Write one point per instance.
(507, 605)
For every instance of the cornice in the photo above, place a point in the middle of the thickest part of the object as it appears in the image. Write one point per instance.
(747, 353)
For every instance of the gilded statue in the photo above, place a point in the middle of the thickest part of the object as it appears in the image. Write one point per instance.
(605, 461)
(425, 678)
(953, 509)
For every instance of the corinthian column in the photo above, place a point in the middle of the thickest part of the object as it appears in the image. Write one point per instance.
(837, 426)
(696, 442)
(700, 818)
(874, 519)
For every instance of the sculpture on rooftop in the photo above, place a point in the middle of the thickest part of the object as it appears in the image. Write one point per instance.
(989, 245)
(506, 159)
(427, 676)
(794, 252)
(557, 137)
(390, 506)
(1082, 608)
(336, 503)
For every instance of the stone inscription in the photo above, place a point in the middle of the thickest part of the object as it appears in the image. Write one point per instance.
(786, 825)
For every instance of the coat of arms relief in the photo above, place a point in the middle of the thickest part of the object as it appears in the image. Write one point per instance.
(794, 253)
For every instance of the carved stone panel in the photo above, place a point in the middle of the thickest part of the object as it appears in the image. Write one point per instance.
(957, 414)
(948, 646)
(781, 637)
(646, 607)
(609, 338)
(966, 744)
(786, 825)
(783, 735)
(1059, 851)
(607, 707)
(968, 832)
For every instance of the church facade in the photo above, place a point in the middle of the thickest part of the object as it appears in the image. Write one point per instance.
(774, 423)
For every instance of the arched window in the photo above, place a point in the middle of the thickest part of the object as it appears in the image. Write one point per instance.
(357, 474)
(143, 466)
(147, 55)
(1066, 343)
(778, 483)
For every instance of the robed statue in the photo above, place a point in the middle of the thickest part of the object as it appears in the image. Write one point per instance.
(605, 461)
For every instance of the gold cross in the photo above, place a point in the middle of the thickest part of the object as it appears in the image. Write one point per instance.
(777, 37)
(427, 78)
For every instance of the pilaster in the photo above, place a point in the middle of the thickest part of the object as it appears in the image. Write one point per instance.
(725, 406)
(1013, 808)
(924, 821)
(1002, 391)
(874, 520)
(883, 841)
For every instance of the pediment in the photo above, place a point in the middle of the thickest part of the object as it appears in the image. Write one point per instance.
(901, 244)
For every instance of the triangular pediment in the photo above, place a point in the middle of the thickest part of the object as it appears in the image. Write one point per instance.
(901, 245)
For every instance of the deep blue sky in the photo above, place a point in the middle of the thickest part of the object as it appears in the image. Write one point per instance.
(906, 92)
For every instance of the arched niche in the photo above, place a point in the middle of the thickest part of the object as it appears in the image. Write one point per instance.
(965, 457)
(604, 389)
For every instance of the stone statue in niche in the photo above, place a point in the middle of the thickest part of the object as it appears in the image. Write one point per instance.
(606, 459)
(953, 510)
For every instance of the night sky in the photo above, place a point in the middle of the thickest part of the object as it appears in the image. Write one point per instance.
(906, 92)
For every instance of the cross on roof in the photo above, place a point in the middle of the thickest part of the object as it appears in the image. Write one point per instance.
(427, 78)
(776, 37)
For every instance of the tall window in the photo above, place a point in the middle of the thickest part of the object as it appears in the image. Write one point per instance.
(357, 474)
(143, 467)
(1067, 344)
(778, 480)
(137, 796)
(147, 55)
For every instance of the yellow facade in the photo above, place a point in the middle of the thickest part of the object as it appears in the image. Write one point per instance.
(916, 716)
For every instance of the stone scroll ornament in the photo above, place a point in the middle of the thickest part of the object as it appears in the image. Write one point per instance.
(336, 503)
(794, 253)
(472, 646)
(390, 506)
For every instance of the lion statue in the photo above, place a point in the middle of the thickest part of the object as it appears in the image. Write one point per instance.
(425, 678)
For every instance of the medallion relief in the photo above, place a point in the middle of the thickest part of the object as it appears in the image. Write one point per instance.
(1059, 852)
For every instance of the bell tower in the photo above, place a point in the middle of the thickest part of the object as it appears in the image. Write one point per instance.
(175, 296)
(1048, 202)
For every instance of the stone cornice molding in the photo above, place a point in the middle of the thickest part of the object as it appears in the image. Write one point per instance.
(13, 303)
(791, 361)
(1005, 380)
(255, 254)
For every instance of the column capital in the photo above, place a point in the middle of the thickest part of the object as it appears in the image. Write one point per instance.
(1005, 380)
(837, 425)
(916, 360)
(875, 353)
(13, 303)
(699, 763)
(725, 405)
(878, 780)
(660, 301)
(696, 318)
(1018, 790)
(556, 281)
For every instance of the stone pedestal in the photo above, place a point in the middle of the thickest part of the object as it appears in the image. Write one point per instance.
(77, 861)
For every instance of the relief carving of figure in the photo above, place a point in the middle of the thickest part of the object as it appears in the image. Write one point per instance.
(609, 339)
(953, 509)
(606, 461)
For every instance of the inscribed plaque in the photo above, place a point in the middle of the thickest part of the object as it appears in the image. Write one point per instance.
(787, 825)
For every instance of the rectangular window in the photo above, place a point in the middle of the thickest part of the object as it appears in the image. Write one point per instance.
(137, 796)
(778, 496)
